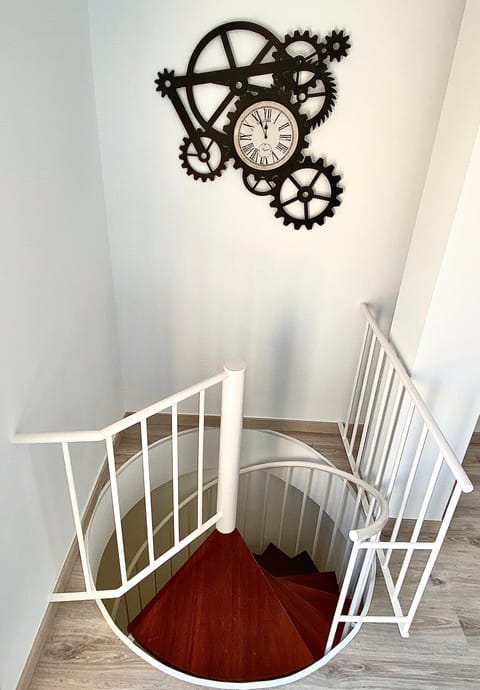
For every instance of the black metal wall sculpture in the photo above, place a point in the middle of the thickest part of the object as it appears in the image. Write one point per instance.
(267, 104)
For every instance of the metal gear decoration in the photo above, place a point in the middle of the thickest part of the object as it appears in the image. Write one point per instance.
(206, 164)
(238, 75)
(264, 103)
(306, 51)
(258, 184)
(318, 101)
(308, 195)
(335, 46)
(165, 82)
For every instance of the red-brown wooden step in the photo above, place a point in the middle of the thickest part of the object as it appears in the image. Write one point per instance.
(279, 564)
(326, 581)
(323, 601)
(219, 618)
(313, 624)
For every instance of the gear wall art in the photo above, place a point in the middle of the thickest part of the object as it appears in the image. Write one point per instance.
(253, 99)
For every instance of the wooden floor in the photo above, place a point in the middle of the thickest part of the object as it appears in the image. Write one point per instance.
(443, 650)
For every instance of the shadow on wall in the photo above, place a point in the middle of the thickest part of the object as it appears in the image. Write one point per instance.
(281, 352)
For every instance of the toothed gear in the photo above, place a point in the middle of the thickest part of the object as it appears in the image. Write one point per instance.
(203, 165)
(165, 82)
(307, 51)
(317, 102)
(274, 95)
(335, 46)
(225, 38)
(308, 195)
(258, 184)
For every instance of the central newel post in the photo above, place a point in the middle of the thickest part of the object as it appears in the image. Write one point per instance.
(230, 440)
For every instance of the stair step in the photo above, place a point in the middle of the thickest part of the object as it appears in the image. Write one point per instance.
(325, 581)
(312, 623)
(279, 564)
(219, 618)
(323, 601)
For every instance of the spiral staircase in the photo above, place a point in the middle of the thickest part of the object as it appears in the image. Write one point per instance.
(238, 617)
(244, 558)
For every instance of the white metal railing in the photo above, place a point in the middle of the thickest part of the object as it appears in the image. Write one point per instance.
(328, 495)
(393, 442)
(232, 380)
(397, 454)
(133, 565)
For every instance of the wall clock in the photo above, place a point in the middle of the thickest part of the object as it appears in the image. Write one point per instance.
(255, 105)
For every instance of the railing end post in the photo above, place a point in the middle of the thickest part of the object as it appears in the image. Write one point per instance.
(230, 441)
(233, 366)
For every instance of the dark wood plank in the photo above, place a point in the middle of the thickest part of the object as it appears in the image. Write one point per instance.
(326, 581)
(277, 563)
(218, 618)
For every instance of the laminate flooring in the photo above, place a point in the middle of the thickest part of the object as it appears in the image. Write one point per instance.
(443, 650)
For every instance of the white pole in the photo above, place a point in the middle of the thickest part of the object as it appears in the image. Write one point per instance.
(117, 516)
(76, 516)
(148, 490)
(230, 440)
(176, 511)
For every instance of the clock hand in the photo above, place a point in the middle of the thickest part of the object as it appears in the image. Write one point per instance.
(265, 129)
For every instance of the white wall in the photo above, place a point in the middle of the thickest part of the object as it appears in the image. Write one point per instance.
(447, 363)
(450, 157)
(204, 271)
(59, 359)
(434, 325)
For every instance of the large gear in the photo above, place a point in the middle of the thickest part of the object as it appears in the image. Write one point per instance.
(307, 52)
(227, 35)
(203, 165)
(165, 82)
(317, 102)
(335, 46)
(272, 94)
(307, 195)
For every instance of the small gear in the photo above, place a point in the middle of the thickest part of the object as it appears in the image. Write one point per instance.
(307, 195)
(272, 96)
(306, 50)
(258, 184)
(206, 164)
(335, 46)
(165, 82)
(317, 102)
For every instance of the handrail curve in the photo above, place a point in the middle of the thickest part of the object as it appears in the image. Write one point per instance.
(360, 534)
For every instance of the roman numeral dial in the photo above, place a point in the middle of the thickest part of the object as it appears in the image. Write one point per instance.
(266, 135)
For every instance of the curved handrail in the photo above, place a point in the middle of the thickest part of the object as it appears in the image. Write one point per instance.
(443, 445)
(355, 535)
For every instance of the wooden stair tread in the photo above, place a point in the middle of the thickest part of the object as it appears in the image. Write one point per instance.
(219, 618)
(325, 581)
(279, 564)
(313, 624)
(326, 602)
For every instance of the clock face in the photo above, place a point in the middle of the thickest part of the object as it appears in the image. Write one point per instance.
(265, 135)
